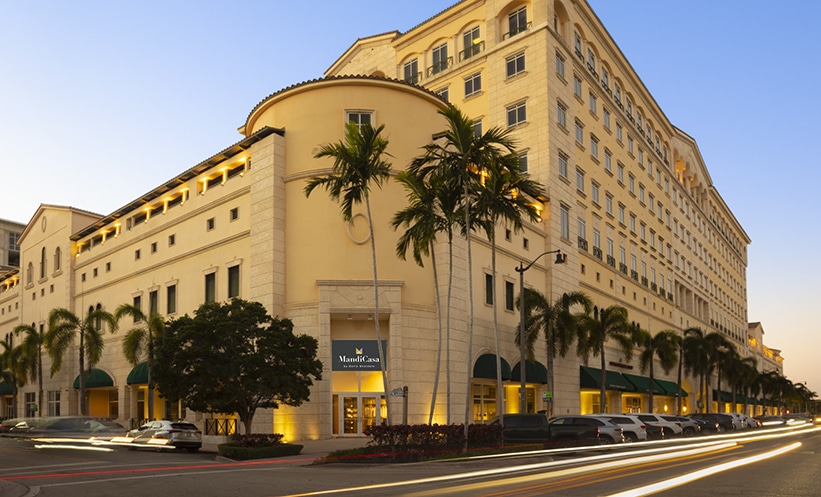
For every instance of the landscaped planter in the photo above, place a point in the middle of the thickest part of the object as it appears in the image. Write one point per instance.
(239, 453)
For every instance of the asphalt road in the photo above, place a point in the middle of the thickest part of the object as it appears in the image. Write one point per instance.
(697, 466)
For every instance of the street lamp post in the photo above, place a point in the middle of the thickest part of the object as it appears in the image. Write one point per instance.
(560, 259)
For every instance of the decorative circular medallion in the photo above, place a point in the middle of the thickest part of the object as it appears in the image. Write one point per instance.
(43, 223)
(353, 228)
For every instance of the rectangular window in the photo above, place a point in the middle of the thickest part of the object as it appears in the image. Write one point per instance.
(153, 247)
(488, 289)
(523, 162)
(509, 298)
(30, 404)
(620, 172)
(516, 114)
(621, 214)
(580, 180)
(153, 303)
(137, 302)
(579, 133)
(593, 103)
(472, 42)
(210, 224)
(606, 118)
(211, 287)
(641, 157)
(632, 223)
(559, 65)
(608, 161)
(608, 203)
(631, 184)
(411, 71)
(233, 214)
(53, 403)
(473, 84)
(517, 21)
(443, 94)
(561, 115)
(171, 299)
(577, 86)
(562, 165)
(630, 144)
(594, 146)
(565, 222)
(137, 255)
(477, 127)
(618, 132)
(359, 118)
(233, 281)
(172, 240)
(515, 64)
(594, 192)
(440, 58)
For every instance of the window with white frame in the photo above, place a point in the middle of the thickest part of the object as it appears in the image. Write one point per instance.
(515, 64)
(561, 115)
(608, 161)
(630, 144)
(440, 58)
(577, 86)
(473, 84)
(582, 225)
(631, 184)
(411, 71)
(53, 408)
(621, 213)
(563, 165)
(593, 103)
(472, 41)
(523, 162)
(620, 172)
(564, 222)
(579, 133)
(632, 223)
(580, 180)
(516, 114)
(559, 65)
(608, 203)
(359, 117)
(517, 21)
(594, 191)
(594, 146)
(606, 117)
(618, 133)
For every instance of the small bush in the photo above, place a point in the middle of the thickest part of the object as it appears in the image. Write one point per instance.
(256, 440)
(239, 453)
(405, 443)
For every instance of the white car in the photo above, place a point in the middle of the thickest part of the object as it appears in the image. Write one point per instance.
(176, 434)
(633, 429)
(671, 426)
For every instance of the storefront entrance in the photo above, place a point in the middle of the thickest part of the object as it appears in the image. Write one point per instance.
(354, 412)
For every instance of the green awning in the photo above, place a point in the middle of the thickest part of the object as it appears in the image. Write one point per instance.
(535, 372)
(642, 384)
(591, 378)
(728, 397)
(670, 388)
(138, 375)
(6, 389)
(485, 367)
(96, 379)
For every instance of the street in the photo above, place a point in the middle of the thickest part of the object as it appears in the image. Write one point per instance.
(697, 466)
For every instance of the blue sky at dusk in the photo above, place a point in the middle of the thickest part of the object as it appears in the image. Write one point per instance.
(102, 101)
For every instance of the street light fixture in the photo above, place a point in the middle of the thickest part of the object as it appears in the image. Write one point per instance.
(560, 259)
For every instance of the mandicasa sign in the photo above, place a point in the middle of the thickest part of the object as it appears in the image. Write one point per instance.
(356, 355)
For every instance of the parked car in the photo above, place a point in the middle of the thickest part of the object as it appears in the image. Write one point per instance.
(771, 421)
(536, 428)
(177, 434)
(707, 426)
(608, 432)
(7, 424)
(633, 429)
(689, 427)
(670, 426)
(654, 432)
(725, 421)
(67, 427)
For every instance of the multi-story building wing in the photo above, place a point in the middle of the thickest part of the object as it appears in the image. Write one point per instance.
(630, 198)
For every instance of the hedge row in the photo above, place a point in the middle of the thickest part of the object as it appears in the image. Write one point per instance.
(408, 442)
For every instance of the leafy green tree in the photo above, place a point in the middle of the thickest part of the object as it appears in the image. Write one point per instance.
(663, 345)
(64, 326)
(557, 322)
(504, 196)
(31, 350)
(233, 357)
(611, 323)
(139, 342)
(358, 164)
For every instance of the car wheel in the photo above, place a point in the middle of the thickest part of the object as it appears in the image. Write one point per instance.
(193, 450)
(630, 438)
(689, 432)
(606, 440)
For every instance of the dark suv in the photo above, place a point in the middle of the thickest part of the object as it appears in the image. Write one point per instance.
(535, 428)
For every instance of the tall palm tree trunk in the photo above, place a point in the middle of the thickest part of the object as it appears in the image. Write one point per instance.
(40, 379)
(680, 367)
(447, 329)
(500, 400)
(83, 410)
(439, 333)
(150, 376)
(603, 392)
(383, 361)
(650, 398)
(468, 393)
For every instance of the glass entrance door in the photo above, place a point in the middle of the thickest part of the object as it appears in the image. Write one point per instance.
(357, 412)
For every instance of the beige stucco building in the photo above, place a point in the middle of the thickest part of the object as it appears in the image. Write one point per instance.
(629, 200)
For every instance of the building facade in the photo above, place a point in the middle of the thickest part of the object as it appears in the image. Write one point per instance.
(629, 200)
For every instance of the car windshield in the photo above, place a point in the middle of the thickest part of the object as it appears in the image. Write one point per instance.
(184, 426)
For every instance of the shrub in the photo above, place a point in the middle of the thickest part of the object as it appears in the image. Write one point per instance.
(256, 440)
(414, 442)
(239, 453)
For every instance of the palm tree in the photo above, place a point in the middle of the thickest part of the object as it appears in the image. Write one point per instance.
(358, 163)
(457, 157)
(139, 340)
(556, 321)
(743, 375)
(696, 355)
(722, 352)
(504, 194)
(32, 357)
(63, 326)
(611, 323)
(664, 345)
(423, 218)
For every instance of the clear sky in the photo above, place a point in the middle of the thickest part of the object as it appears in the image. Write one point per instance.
(102, 101)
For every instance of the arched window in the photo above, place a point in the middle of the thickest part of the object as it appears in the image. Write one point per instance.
(98, 323)
(29, 273)
(42, 263)
(58, 259)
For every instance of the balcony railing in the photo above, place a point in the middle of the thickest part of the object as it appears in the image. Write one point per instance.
(583, 244)
(597, 253)
(516, 30)
(220, 426)
(414, 79)
(611, 261)
(471, 51)
(645, 281)
(440, 66)
(634, 274)
(623, 268)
